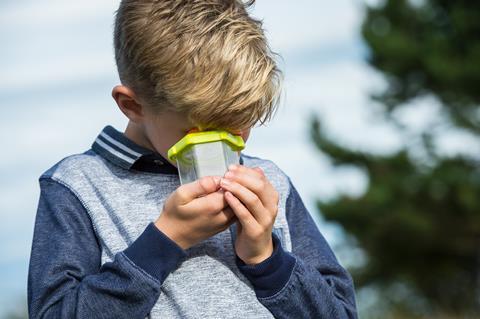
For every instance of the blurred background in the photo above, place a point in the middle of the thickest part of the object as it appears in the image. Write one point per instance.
(378, 129)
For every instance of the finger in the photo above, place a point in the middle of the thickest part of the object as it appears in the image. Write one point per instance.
(203, 186)
(255, 171)
(211, 204)
(226, 216)
(258, 184)
(245, 218)
(251, 201)
(252, 182)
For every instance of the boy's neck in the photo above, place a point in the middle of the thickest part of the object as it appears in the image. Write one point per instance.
(135, 133)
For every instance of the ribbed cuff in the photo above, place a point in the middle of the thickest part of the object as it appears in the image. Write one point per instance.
(155, 253)
(272, 274)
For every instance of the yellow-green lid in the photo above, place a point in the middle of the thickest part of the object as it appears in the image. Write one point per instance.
(234, 141)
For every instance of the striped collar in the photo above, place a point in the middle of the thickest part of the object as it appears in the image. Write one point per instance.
(115, 147)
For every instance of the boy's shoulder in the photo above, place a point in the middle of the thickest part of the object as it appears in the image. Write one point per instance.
(252, 161)
(275, 174)
(74, 165)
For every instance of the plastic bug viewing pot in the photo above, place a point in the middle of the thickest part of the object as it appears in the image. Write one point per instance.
(207, 153)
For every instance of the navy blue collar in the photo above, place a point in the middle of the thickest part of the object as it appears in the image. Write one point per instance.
(115, 147)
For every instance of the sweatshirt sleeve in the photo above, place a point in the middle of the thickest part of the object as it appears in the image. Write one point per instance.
(66, 278)
(309, 282)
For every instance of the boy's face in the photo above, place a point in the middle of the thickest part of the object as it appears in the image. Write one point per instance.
(154, 130)
(165, 129)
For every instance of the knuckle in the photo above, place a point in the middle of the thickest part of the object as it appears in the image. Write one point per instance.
(252, 200)
(267, 228)
(257, 233)
(271, 220)
(267, 221)
(206, 183)
(219, 220)
(240, 168)
(260, 186)
(180, 195)
(256, 201)
(212, 207)
(259, 170)
(263, 177)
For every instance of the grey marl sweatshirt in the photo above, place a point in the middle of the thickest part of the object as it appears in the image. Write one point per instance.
(97, 254)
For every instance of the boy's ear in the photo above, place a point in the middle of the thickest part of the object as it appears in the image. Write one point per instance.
(128, 103)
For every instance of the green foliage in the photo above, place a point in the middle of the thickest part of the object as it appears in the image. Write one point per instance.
(419, 220)
(433, 48)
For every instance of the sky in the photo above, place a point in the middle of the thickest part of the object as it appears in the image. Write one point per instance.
(57, 71)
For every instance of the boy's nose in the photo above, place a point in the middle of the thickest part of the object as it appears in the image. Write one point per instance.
(193, 130)
(236, 132)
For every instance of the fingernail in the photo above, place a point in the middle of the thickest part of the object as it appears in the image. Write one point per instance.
(224, 182)
(216, 179)
(232, 167)
(229, 175)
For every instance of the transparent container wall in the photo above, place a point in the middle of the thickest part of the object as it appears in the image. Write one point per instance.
(206, 159)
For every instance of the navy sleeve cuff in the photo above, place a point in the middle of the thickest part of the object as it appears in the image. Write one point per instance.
(272, 274)
(155, 253)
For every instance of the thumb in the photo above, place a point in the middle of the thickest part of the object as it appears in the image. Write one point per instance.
(200, 187)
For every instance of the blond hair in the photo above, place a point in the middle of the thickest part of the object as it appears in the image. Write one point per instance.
(207, 59)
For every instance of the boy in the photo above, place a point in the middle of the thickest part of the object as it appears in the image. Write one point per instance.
(116, 236)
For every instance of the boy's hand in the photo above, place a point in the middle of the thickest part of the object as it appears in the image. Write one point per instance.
(255, 203)
(194, 212)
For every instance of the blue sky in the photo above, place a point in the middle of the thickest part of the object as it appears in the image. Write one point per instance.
(57, 72)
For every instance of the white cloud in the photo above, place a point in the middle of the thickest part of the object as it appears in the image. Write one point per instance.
(35, 13)
(299, 24)
(426, 114)
(50, 71)
(62, 127)
(339, 93)
(53, 42)
(454, 141)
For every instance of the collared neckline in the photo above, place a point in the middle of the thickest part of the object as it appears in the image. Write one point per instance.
(118, 149)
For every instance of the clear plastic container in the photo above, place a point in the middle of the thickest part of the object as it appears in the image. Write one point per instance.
(207, 153)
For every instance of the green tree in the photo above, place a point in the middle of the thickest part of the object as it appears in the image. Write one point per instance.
(419, 220)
